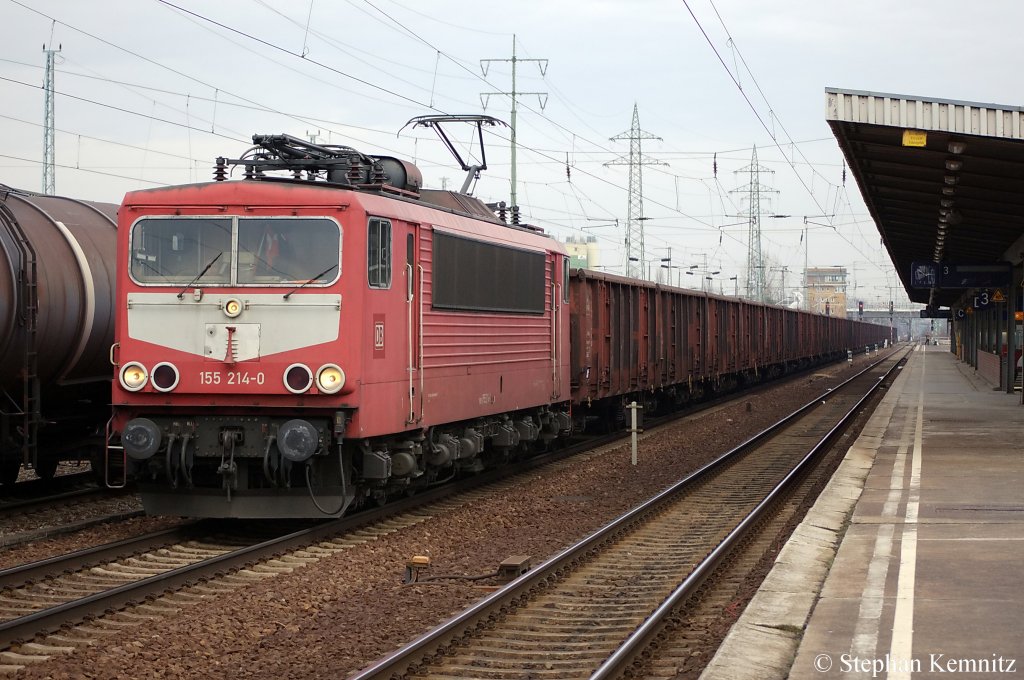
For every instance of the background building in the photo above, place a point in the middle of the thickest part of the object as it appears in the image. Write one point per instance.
(826, 290)
(583, 252)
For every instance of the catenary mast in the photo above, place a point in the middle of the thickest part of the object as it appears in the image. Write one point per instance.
(542, 64)
(49, 179)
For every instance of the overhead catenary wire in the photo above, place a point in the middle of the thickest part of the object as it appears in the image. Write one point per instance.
(552, 158)
(286, 51)
(160, 65)
(750, 104)
(757, 115)
(88, 170)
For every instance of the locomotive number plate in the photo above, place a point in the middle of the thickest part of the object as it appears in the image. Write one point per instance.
(231, 378)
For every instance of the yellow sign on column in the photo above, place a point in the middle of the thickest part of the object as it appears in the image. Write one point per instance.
(997, 295)
(915, 138)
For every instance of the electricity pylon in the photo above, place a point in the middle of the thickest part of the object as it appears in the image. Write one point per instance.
(635, 215)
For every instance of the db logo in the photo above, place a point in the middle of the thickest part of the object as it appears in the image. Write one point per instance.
(378, 335)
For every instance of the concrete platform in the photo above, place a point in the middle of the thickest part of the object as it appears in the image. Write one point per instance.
(911, 564)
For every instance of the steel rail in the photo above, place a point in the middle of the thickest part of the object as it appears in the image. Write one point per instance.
(29, 490)
(52, 618)
(40, 503)
(24, 574)
(640, 639)
(399, 661)
(23, 505)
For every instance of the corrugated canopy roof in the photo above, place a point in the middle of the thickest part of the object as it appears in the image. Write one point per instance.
(944, 180)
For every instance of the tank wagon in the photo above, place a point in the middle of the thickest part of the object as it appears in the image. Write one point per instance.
(56, 326)
(297, 346)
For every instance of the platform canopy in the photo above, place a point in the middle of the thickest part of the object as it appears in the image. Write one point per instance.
(943, 180)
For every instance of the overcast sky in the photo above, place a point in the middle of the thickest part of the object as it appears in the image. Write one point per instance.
(150, 92)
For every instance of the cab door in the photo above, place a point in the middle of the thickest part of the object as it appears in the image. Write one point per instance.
(414, 322)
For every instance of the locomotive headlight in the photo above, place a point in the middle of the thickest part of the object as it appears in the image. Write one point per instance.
(330, 378)
(165, 376)
(232, 308)
(298, 378)
(133, 376)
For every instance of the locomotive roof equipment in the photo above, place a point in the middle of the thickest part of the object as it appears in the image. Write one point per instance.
(435, 123)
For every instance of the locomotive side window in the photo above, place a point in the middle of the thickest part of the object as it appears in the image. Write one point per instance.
(176, 251)
(284, 250)
(378, 253)
(565, 280)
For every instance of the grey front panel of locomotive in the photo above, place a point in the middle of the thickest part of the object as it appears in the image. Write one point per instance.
(268, 324)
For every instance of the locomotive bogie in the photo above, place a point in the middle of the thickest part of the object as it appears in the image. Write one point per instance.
(463, 447)
(267, 465)
(186, 463)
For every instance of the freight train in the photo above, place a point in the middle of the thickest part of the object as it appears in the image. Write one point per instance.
(56, 326)
(298, 346)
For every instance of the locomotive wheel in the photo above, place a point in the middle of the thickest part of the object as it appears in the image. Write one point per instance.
(96, 462)
(9, 470)
(46, 467)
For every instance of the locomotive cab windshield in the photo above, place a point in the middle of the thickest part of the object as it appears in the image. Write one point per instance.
(253, 251)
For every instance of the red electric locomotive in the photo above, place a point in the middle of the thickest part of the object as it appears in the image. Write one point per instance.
(291, 347)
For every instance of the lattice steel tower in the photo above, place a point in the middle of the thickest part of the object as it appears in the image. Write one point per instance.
(755, 261)
(635, 215)
(49, 178)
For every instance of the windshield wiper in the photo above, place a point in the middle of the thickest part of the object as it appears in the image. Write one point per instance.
(288, 294)
(199, 275)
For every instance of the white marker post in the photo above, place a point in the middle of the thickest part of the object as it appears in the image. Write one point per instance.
(633, 431)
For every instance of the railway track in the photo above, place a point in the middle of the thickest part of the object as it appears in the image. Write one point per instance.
(592, 609)
(32, 491)
(30, 519)
(52, 606)
(63, 592)
(44, 595)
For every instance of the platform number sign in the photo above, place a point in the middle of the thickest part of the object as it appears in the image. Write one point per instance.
(982, 300)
